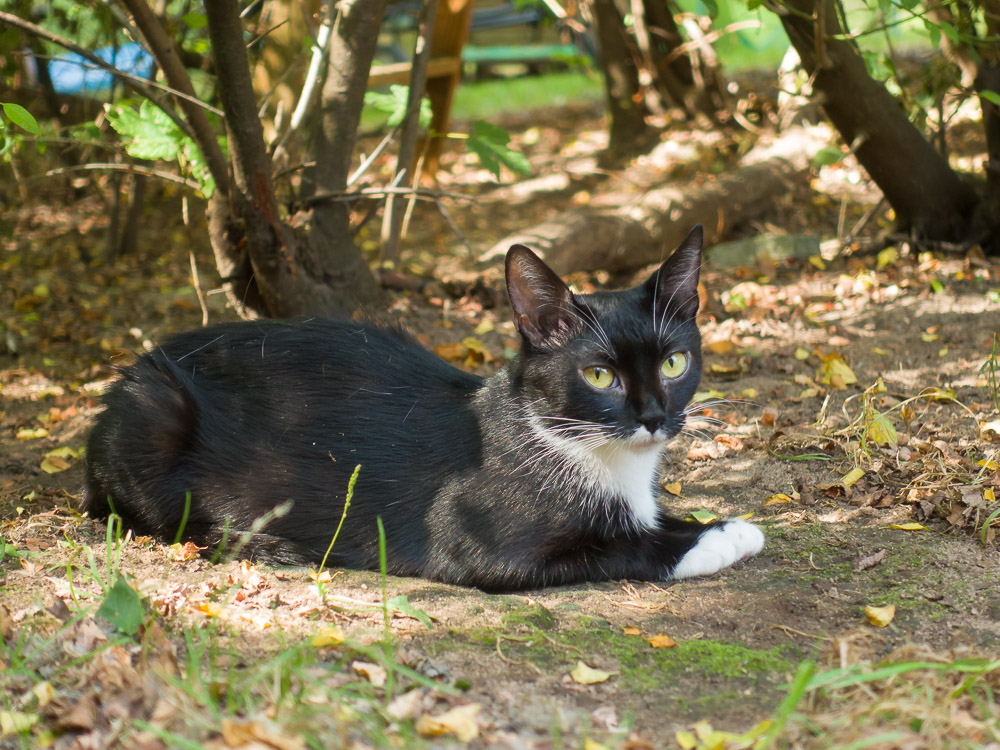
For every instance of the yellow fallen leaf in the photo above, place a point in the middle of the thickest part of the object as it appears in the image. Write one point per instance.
(27, 433)
(210, 609)
(911, 526)
(54, 465)
(375, 673)
(801, 353)
(686, 740)
(745, 516)
(63, 452)
(588, 675)
(724, 369)
(882, 431)
(44, 692)
(879, 350)
(589, 744)
(749, 393)
(323, 576)
(809, 393)
(258, 621)
(707, 395)
(817, 261)
(777, 499)
(674, 488)
(880, 616)
(485, 326)
(721, 347)
(661, 641)
(16, 722)
(459, 721)
(328, 636)
(989, 494)
(451, 351)
(886, 257)
(631, 630)
(834, 371)
(929, 337)
(851, 478)
(989, 463)
(943, 351)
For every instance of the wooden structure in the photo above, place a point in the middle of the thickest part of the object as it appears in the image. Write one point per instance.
(444, 71)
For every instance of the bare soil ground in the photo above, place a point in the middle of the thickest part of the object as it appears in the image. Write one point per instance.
(922, 324)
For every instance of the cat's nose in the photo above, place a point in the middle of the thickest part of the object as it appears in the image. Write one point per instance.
(652, 422)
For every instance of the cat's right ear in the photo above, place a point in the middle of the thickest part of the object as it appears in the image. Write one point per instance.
(543, 305)
(675, 284)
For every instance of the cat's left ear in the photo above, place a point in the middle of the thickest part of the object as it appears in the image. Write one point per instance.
(543, 305)
(675, 284)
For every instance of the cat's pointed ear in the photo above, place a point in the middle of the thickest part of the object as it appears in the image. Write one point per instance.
(675, 284)
(543, 304)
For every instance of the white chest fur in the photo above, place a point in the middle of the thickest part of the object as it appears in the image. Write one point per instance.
(612, 468)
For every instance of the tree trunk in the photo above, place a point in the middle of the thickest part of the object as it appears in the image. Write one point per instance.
(928, 197)
(334, 256)
(628, 131)
(296, 275)
(620, 239)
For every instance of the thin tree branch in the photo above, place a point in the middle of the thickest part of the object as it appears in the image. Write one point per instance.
(129, 168)
(392, 225)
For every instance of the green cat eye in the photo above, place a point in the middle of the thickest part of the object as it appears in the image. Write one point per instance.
(673, 366)
(599, 377)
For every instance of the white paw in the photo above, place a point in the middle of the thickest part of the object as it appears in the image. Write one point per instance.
(719, 548)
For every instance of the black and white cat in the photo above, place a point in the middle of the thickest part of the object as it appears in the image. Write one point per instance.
(543, 474)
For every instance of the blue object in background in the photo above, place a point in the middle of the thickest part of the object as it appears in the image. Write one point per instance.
(72, 74)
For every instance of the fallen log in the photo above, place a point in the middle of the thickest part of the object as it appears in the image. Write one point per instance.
(621, 232)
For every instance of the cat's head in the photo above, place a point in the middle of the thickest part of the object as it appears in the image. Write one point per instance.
(610, 365)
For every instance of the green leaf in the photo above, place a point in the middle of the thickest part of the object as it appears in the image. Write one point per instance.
(991, 96)
(147, 132)
(950, 31)
(122, 607)
(934, 32)
(703, 516)
(489, 143)
(402, 604)
(21, 117)
(394, 104)
(826, 156)
(194, 20)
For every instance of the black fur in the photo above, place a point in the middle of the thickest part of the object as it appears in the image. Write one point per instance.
(246, 416)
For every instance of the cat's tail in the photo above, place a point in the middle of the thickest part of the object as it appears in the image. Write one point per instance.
(139, 444)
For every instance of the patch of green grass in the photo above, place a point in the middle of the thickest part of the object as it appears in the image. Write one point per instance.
(490, 99)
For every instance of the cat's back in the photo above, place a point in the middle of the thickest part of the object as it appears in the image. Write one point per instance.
(326, 354)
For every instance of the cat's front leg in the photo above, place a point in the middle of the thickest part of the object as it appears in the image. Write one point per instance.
(719, 546)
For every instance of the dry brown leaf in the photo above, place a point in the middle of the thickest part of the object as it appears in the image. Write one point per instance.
(405, 706)
(869, 561)
(238, 733)
(674, 488)
(374, 673)
(631, 630)
(180, 552)
(661, 641)
(82, 715)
